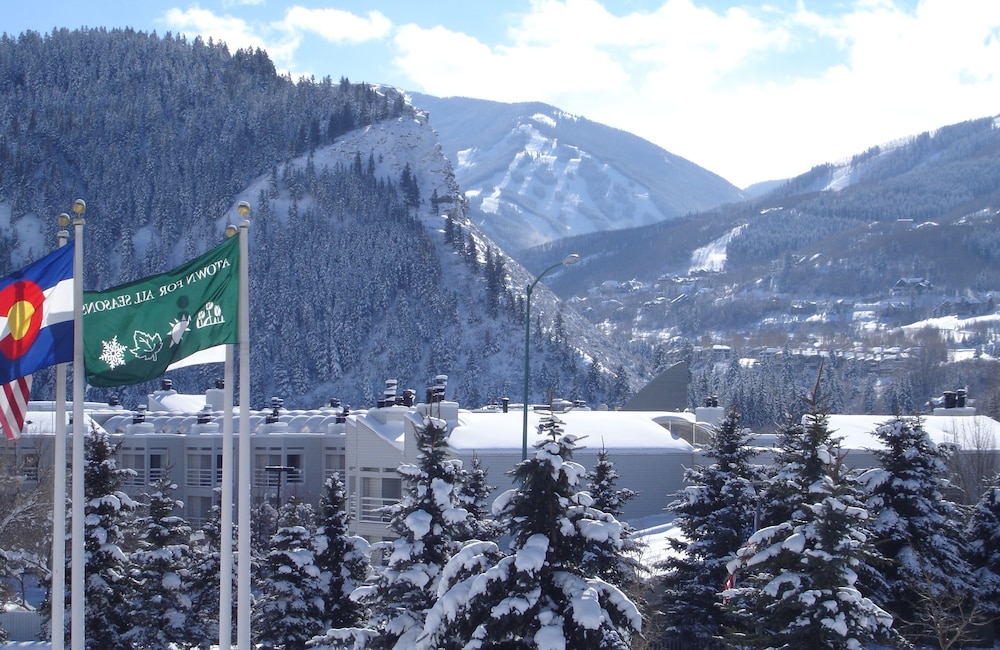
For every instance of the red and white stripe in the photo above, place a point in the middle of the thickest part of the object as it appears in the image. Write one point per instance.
(14, 406)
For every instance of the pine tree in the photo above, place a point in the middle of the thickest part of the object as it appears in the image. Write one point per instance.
(622, 567)
(917, 529)
(796, 581)
(537, 595)
(162, 570)
(205, 577)
(983, 549)
(473, 495)
(427, 521)
(715, 514)
(342, 559)
(108, 586)
(4, 590)
(289, 611)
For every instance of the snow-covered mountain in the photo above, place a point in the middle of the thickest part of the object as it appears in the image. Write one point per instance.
(364, 264)
(533, 174)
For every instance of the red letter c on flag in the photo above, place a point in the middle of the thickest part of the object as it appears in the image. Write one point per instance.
(21, 302)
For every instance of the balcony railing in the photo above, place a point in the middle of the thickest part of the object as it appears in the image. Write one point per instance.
(370, 510)
(203, 477)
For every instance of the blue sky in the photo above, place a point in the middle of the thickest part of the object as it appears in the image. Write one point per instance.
(750, 91)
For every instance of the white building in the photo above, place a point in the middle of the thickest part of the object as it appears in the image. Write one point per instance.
(293, 452)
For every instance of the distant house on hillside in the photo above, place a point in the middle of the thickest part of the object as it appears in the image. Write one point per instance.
(911, 285)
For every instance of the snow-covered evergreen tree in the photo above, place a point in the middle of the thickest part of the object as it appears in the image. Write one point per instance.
(538, 595)
(342, 559)
(204, 584)
(427, 521)
(603, 486)
(289, 611)
(162, 571)
(621, 567)
(715, 514)
(796, 581)
(918, 529)
(474, 497)
(109, 586)
(983, 548)
(4, 593)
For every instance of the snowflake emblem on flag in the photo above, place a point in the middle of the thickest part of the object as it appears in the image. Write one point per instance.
(113, 353)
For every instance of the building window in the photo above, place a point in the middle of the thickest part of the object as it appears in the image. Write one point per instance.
(200, 469)
(333, 462)
(199, 509)
(262, 460)
(376, 495)
(392, 488)
(296, 474)
(134, 460)
(157, 466)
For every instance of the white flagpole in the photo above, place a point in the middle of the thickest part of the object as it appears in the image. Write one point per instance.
(243, 550)
(226, 512)
(77, 626)
(57, 632)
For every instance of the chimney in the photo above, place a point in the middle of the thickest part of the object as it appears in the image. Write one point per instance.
(166, 384)
(439, 387)
(505, 404)
(389, 395)
(276, 404)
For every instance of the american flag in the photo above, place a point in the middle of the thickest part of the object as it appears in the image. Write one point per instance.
(14, 405)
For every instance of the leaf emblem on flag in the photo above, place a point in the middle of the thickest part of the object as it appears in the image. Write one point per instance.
(147, 346)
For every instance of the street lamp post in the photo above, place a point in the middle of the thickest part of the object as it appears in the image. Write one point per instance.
(280, 470)
(567, 261)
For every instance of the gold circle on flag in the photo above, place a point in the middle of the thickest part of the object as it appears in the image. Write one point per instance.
(19, 319)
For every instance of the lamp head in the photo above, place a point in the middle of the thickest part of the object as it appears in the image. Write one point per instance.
(79, 207)
(571, 259)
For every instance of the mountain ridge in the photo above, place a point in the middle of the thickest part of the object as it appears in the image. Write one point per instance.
(533, 173)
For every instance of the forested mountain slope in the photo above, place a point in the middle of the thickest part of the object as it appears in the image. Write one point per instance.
(364, 265)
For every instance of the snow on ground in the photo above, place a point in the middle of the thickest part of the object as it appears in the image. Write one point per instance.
(953, 327)
(712, 257)
(655, 532)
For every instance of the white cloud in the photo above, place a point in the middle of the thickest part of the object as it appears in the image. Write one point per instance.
(234, 32)
(337, 26)
(748, 93)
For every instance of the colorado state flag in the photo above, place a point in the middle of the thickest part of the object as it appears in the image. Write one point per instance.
(36, 316)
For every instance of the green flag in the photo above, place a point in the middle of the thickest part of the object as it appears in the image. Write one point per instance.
(132, 332)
